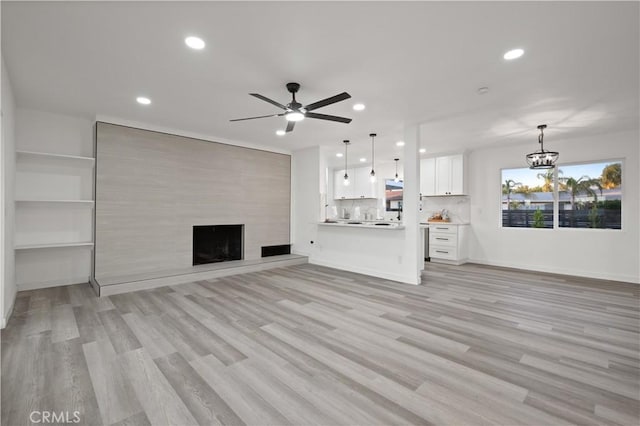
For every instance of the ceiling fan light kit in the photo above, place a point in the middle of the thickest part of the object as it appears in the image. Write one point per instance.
(542, 159)
(294, 111)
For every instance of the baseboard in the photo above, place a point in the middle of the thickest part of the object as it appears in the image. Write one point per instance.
(54, 283)
(146, 284)
(366, 271)
(7, 315)
(562, 271)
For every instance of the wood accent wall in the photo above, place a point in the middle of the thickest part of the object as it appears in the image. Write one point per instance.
(152, 188)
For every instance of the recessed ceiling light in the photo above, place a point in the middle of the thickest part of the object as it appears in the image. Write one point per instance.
(280, 132)
(194, 43)
(400, 143)
(513, 54)
(423, 150)
(362, 160)
(142, 100)
(359, 107)
(339, 155)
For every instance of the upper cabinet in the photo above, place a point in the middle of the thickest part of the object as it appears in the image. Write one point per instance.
(360, 185)
(340, 190)
(442, 175)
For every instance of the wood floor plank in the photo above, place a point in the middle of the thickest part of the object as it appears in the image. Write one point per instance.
(113, 390)
(247, 403)
(159, 399)
(63, 324)
(71, 387)
(121, 336)
(202, 401)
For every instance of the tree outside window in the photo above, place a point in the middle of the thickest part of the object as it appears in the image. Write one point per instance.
(588, 196)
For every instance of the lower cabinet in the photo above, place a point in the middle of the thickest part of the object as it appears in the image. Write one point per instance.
(448, 243)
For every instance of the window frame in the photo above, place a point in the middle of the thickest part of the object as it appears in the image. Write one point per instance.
(556, 198)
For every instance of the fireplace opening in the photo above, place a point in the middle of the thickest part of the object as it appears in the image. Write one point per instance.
(217, 243)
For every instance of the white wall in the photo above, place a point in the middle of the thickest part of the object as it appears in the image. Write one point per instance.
(597, 253)
(41, 131)
(308, 190)
(7, 213)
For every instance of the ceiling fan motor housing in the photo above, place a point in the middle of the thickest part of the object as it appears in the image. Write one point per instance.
(293, 87)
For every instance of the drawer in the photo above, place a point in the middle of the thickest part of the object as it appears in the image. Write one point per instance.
(445, 229)
(442, 239)
(440, 252)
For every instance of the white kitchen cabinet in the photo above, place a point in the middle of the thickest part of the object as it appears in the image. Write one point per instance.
(363, 187)
(428, 176)
(360, 185)
(448, 243)
(340, 190)
(442, 175)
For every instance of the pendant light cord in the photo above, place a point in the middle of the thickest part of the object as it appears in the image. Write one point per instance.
(373, 136)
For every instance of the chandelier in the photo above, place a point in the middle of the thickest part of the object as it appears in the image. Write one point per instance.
(542, 159)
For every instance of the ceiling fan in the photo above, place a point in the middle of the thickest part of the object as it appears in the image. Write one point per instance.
(294, 111)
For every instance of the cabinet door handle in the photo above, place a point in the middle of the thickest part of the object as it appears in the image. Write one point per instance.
(442, 251)
(437, 227)
(443, 239)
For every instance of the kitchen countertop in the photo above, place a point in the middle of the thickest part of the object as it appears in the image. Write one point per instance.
(393, 226)
(425, 224)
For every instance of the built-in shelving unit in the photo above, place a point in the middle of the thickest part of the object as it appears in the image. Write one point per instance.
(55, 245)
(54, 219)
(79, 202)
(55, 156)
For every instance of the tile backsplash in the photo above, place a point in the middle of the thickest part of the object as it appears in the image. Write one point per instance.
(458, 207)
(367, 209)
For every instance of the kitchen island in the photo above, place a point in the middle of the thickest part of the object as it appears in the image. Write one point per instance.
(365, 248)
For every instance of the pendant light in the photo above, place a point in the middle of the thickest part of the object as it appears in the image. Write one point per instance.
(373, 172)
(397, 178)
(542, 159)
(346, 176)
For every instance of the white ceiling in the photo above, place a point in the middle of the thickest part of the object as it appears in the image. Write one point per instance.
(409, 62)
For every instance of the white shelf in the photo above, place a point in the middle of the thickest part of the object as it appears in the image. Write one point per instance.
(55, 245)
(55, 156)
(88, 202)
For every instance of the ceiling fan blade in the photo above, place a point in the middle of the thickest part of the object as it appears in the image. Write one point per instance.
(290, 125)
(260, 116)
(332, 100)
(272, 102)
(327, 117)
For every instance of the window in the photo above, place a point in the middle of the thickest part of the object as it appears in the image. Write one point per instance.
(393, 192)
(590, 195)
(585, 196)
(527, 198)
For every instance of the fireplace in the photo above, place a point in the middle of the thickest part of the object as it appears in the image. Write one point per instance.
(217, 243)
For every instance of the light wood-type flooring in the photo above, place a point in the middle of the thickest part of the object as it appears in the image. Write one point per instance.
(308, 345)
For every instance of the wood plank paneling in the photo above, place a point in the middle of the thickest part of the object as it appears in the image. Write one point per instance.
(152, 188)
